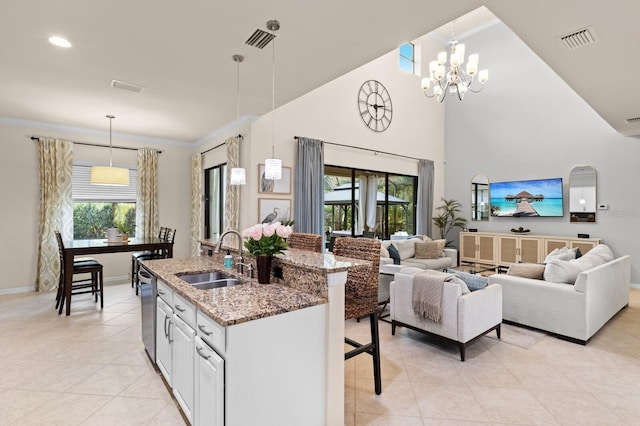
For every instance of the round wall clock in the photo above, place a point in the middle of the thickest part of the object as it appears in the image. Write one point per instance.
(374, 103)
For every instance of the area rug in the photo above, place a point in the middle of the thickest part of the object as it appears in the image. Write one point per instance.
(517, 336)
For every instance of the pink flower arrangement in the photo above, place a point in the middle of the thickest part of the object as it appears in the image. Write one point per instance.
(266, 239)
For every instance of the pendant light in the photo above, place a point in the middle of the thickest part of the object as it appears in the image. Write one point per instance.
(273, 166)
(238, 174)
(116, 176)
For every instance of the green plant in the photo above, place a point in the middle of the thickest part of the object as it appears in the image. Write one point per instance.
(448, 217)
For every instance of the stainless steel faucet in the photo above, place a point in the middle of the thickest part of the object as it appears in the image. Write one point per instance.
(240, 261)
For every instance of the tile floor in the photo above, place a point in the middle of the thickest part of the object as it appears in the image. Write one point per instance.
(91, 369)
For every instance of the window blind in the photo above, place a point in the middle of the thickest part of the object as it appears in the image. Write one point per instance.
(83, 190)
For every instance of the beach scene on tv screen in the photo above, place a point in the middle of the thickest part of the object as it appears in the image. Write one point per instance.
(529, 198)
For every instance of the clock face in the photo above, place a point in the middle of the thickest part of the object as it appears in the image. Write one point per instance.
(374, 103)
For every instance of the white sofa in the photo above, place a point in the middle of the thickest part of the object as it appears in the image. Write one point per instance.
(406, 249)
(575, 311)
(465, 317)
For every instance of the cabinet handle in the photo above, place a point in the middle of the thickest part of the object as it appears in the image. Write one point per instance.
(169, 333)
(201, 328)
(201, 354)
(166, 333)
(178, 307)
(161, 292)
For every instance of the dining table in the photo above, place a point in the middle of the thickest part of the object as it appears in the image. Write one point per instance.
(74, 248)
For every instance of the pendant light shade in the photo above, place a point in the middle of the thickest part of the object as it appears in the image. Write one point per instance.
(103, 175)
(273, 166)
(238, 176)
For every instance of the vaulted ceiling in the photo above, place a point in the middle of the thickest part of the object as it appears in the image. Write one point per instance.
(181, 53)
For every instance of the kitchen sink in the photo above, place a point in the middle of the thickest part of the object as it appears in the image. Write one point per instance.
(209, 280)
(216, 284)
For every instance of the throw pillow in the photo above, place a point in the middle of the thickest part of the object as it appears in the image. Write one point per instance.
(393, 253)
(383, 251)
(562, 253)
(562, 271)
(429, 249)
(461, 283)
(527, 270)
(473, 282)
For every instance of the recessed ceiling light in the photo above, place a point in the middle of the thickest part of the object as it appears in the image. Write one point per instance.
(59, 41)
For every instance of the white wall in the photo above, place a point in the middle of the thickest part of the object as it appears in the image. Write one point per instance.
(20, 195)
(330, 113)
(528, 124)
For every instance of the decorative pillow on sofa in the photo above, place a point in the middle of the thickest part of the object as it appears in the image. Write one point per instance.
(406, 248)
(473, 282)
(393, 253)
(384, 252)
(429, 249)
(527, 270)
(562, 253)
(566, 271)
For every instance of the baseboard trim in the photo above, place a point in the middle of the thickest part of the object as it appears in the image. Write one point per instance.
(18, 290)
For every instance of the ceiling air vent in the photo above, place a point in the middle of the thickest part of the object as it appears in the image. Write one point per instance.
(260, 38)
(118, 84)
(632, 120)
(579, 38)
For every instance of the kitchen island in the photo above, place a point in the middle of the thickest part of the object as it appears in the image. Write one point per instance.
(280, 346)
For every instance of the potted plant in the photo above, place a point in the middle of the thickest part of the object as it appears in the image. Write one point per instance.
(264, 240)
(124, 229)
(448, 217)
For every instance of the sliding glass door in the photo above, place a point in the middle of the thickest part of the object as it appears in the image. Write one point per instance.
(368, 203)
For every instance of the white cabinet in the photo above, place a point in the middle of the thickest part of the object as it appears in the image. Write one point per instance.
(209, 386)
(164, 333)
(183, 365)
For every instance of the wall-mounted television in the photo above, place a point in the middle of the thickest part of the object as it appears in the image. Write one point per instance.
(527, 198)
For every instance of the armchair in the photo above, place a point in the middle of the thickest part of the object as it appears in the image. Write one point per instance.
(465, 317)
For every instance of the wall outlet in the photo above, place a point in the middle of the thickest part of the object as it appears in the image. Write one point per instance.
(603, 206)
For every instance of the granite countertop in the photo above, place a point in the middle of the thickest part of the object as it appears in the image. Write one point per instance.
(250, 300)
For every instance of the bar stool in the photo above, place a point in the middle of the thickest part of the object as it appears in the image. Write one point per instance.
(304, 241)
(87, 265)
(361, 296)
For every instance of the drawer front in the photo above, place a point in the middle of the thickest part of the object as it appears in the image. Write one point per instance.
(211, 332)
(165, 293)
(185, 310)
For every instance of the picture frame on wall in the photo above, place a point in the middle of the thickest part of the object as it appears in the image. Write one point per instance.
(280, 186)
(274, 210)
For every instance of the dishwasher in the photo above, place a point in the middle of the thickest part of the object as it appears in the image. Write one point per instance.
(148, 290)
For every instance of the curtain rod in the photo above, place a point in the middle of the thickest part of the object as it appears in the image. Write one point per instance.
(216, 147)
(375, 151)
(37, 138)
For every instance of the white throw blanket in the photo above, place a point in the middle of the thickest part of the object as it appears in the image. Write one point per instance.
(427, 293)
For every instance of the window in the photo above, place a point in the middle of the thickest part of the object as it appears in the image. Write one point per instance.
(98, 207)
(347, 212)
(214, 196)
(406, 58)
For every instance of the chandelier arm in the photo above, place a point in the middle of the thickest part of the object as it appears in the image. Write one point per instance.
(477, 91)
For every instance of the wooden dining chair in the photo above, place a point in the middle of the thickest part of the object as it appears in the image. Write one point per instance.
(304, 241)
(166, 234)
(93, 285)
(361, 296)
(162, 234)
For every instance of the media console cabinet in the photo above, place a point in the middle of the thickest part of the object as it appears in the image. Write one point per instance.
(503, 249)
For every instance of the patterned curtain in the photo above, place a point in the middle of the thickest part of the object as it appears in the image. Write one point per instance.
(232, 198)
(147, 221)
(197, 184)
(425, 197)
(56, 208)
(309, 187)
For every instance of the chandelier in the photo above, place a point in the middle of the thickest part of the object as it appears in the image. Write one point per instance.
(273, 165)
(452, 77)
